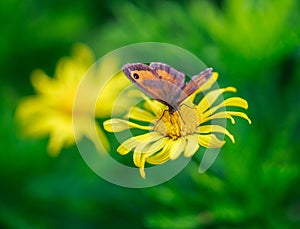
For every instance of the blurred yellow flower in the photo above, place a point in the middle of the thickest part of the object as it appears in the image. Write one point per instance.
(49, 112)
(184, 131)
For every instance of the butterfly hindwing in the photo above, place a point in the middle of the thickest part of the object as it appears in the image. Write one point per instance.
(165, 88)
(195, 82)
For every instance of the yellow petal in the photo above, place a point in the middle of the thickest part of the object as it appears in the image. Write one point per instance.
(177, 148)
(162, 156)
(191, 145)
(43, 83)
(156, 146)
(69, 70)
(137, 158)
(142, 172)
(54, 146)
(131, 143)
(156, 107)
(43, 123)
(57, 141)
(83, 53)
(141, 115)
(236, 102)
(118, 125)
(210, 98)
(239, 114)
(123, 150)
(215, 128)
(210, 141)
(27, 107)
(221, 114)
(143, 147)
(230, 102)
(228, 115)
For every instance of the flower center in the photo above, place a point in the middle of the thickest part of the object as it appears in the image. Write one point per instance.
(178, 124)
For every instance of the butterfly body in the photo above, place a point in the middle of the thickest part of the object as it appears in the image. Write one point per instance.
(164, 83)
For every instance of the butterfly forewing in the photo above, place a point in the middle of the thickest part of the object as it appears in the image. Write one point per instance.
(146, 79)
(168, 73)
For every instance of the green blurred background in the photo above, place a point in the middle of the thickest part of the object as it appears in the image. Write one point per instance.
(253, 44)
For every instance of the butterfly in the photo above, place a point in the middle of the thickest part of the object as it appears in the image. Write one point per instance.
(164, 83)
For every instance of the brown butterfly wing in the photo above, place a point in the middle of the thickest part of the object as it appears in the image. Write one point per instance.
(168, 73)
(196, 82)
(147, 80)
(164, 83)
(172, 82)
(169, 92)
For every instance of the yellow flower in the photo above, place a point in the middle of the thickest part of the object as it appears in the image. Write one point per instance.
(50, 111)
(169, 135)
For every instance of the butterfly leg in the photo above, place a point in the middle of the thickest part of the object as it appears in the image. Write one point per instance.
(170, 114)
(163, 114)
